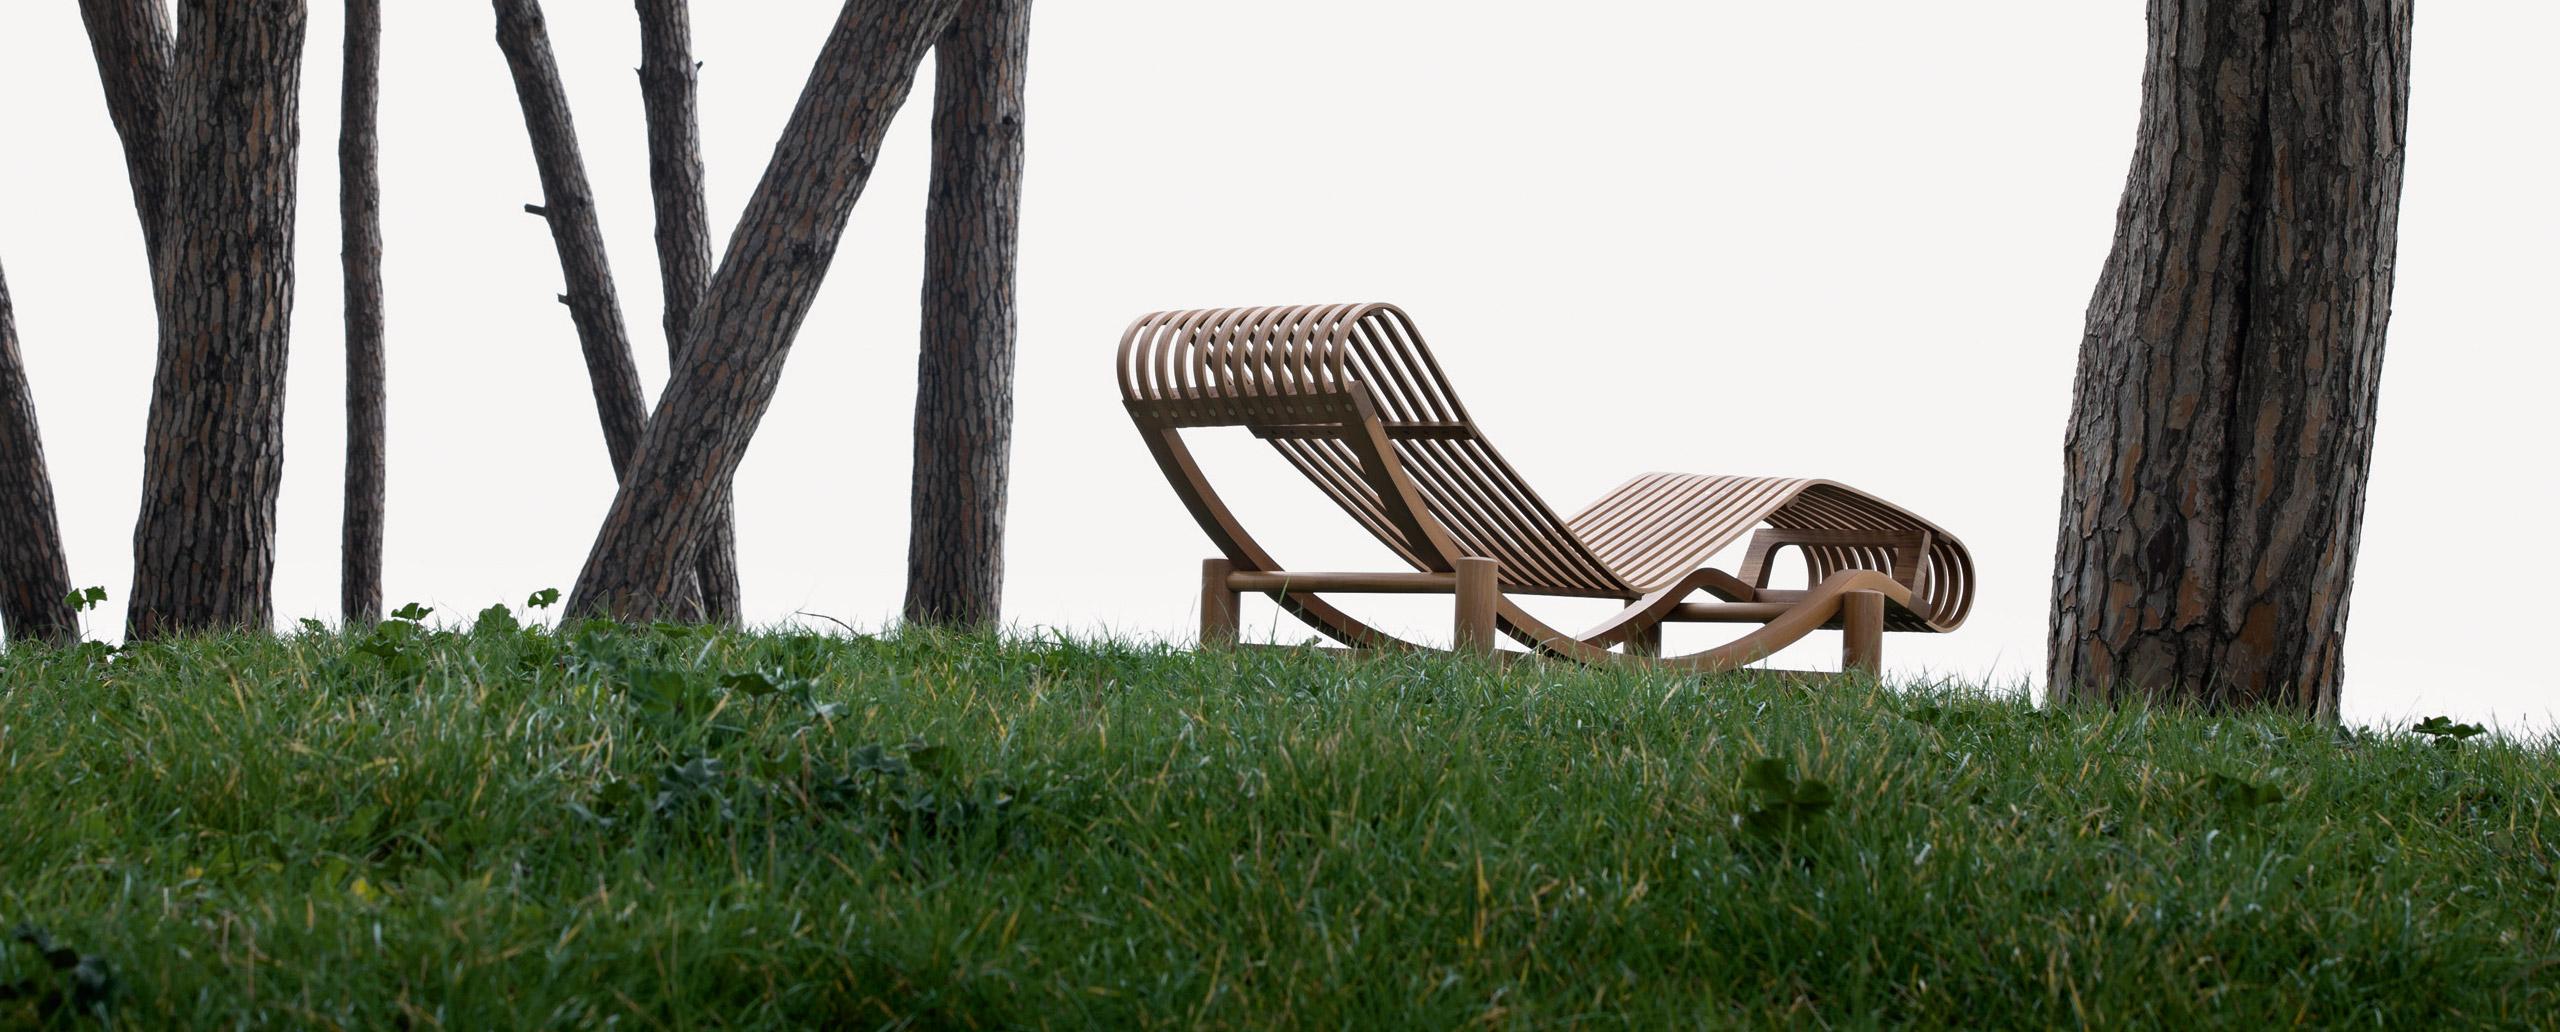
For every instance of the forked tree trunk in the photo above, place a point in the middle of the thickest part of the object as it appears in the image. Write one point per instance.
(360, 256)
(667, 96)
(964, 372)
(578, 234)
(213, 451)
(2224, 409)
(34, 576)
(735, 348)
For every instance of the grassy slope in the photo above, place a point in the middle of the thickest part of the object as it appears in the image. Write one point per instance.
(276, 832)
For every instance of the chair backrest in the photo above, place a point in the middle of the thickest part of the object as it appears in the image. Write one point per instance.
(1315, 381)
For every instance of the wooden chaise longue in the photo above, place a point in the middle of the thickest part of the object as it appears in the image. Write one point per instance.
(1349, 395)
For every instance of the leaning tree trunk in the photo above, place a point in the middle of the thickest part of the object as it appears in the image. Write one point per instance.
(133, 44)
(684, 240)
(360, 255)
(34, 576)
(570, 208)
(213, 450)
(576, 232)
(964, 372)
(2224, 409)
(735, 348)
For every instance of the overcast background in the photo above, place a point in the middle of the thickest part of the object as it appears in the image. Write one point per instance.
(1640, 236)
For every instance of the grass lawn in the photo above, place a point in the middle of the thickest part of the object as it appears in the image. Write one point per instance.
(673, 829)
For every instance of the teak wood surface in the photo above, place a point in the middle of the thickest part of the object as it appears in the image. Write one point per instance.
(1350, 396)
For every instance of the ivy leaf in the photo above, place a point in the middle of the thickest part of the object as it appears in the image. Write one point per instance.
(92, 982)
(1767, 777)
(2239, 792)
(926, 759)
(85, 599)
(543, 599)
(661, 692)
(877, 760)
(411, 612)
(496, 619)
(2447, 733)
(698, 772)
(1785, 802)
(753, 684)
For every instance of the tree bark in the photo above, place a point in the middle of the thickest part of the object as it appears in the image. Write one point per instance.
(667, 96)
(360, 258)
(213, 451)
(134, 47)
(964, 372)
(34, 575)
(735, 348)
(570, 209)
(2223, 413)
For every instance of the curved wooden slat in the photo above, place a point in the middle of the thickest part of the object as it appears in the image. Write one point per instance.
(1658, 527)
(1279, 370)
(1820, 606)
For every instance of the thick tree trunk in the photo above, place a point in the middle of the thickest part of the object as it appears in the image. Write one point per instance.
(684, 239)
(213, 451)
(134, 47)
(2224, 409)
(735, 348)
(360, 256)
(34, 576)
(964, 373)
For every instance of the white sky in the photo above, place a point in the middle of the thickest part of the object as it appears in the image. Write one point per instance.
(1723, 216)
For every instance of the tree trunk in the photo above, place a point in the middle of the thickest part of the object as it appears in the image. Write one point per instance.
(360, 255)
(34, 576)
(576, 233)
(134, 47)
(964, 373)
(2224, 409)
(213, 451)
(684, 240)
(570, 208)
(735, 348)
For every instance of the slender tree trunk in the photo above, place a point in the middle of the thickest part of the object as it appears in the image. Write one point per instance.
(964, 372)
(735, 348)
(684, 239)
(213, 451)
(570, 208)
(2224, 410)
(577, 234)
(34, 576)
(360, 255)
(134, 46)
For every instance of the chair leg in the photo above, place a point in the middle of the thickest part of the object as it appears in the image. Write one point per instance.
(1479, 590)
(1221, 609)
(1862, 632)
(1646, 643)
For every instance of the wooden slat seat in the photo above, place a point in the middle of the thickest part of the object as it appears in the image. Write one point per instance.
(1352, 399)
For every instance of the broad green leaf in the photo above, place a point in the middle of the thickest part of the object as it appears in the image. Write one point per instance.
(495, 619)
